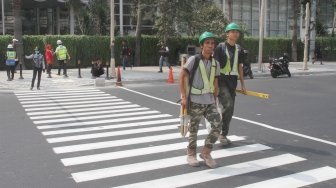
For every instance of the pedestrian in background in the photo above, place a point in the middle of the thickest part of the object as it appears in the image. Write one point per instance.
(125, 55)
(10, 62)
(62, 57)
(38, 67)
(230, 57)
(49, 59)
(202, 71)
(318, 54)
(163, 51)
(14, 41)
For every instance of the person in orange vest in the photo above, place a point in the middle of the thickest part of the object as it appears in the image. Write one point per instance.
(63, 56)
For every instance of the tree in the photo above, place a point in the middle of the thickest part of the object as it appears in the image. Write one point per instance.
(296, 11)
(138, 34)
(18, 29)
(334, 20)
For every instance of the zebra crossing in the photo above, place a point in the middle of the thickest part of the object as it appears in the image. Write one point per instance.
(101, 137)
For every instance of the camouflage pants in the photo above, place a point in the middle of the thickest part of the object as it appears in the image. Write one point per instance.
(209, 111)
(227, 99)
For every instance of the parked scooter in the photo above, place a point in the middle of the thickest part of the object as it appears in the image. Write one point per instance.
(247, 66)
(280, 66)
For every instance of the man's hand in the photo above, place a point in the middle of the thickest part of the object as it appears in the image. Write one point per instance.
(243, 89)
(184, 101)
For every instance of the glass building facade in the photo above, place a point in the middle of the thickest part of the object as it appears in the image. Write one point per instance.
(41, 17)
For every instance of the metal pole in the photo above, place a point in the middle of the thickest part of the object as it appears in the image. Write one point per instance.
(261, 34)
(121, 17)
(113, 73)
(79, 69)
(305, 54)
(107, 71)
(301, 23)
(312, 29)
(3, 16)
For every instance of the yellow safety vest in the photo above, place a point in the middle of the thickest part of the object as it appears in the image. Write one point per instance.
(11, 55)
(208, 84)
(62, 53)
(227, 69)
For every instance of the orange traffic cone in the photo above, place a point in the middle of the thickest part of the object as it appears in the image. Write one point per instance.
(118, 83)
(170, 76)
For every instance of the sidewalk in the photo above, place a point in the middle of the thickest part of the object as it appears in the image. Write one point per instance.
(136, 75)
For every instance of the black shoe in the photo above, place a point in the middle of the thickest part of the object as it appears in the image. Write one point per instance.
(65, 76)
(49, 76)
(31, 88)
(38, 88)
(160, 71)
(9, 79)
(58, 74)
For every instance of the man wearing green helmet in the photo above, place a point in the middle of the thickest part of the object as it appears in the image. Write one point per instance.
(202, 71)
(230, 56)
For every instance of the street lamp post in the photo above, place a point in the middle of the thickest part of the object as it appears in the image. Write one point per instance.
(305, 54)
(113, 73)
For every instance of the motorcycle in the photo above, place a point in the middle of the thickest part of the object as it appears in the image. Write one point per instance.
(247, 66)
(279, 66)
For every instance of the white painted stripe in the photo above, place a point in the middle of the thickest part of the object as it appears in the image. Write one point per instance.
(157, 164)
(123, 142)
(246, 120)
(75, 98)
(210, 174)
(137, 152)
(74, 106)
(52, 95)
(64, 97)
(286, 131)
(89, 113)
(22, 93)
(82, 110)
(109, 127)
(109, 134)
(102, 121)
(175, 103)
(59, 120)
(56, 103)
(297, 180)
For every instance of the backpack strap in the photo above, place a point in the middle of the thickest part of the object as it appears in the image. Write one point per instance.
(192, 75)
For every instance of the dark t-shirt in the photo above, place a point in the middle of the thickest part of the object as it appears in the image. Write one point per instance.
(229, 81)
(124, 50)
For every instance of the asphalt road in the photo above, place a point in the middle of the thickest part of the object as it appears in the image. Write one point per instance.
(128, 136)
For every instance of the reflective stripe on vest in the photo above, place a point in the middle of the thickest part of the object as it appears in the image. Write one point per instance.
(208, 85)
(11, 54)
(227, 69)
(62, 53)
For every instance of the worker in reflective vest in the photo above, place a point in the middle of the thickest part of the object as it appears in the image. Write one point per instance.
(62, 57)
(10, 62)
(230, 57)
(202, 70)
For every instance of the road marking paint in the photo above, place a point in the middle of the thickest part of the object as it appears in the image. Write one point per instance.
(159, 164)
(300, 179)
(74, 106)
(246, 120)
(79, 98)
(89, 113)
(59, 120)
(22, 93)
(56, 103)
(135, 152)
(59, 95)
(212, 174)
(286, 131)
(102, 121)
(110, 134)
(103, 108)
(122, 142)
(109, 127)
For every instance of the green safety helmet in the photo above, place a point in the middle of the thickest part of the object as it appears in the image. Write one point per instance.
(232, 26)
(204, 36)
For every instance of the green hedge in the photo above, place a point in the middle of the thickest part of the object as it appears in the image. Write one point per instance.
(86, 48)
